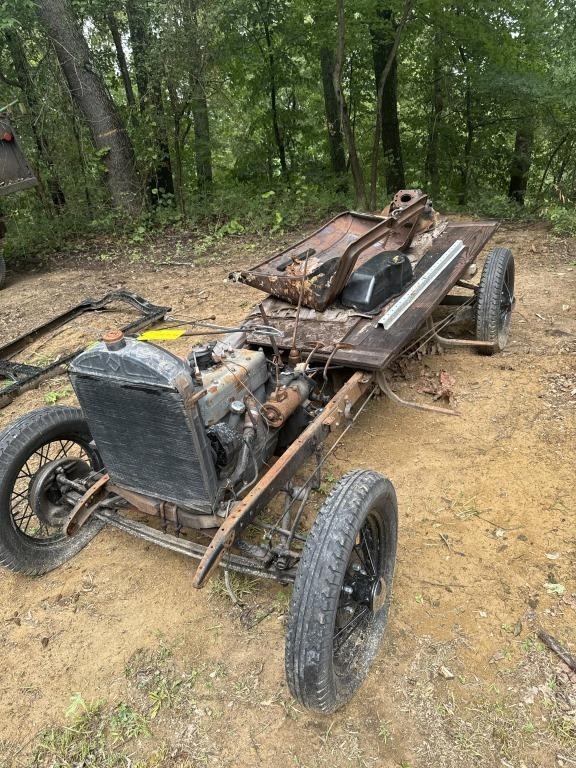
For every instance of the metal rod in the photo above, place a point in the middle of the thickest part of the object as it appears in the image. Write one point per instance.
(385, 387)
(189, 548)
(271, 336)
(462, 342)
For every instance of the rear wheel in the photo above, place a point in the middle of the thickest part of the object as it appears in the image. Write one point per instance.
(342, 591)
(495, 300)
(36, 452)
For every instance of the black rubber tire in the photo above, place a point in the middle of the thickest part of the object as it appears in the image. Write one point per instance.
(495, 300)
(2, 272)
(18, 442)
(313, 677)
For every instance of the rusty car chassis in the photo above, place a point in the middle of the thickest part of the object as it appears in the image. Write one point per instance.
(215, 456)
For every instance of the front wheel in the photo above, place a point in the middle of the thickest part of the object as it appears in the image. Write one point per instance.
(39, 453)
(342, 591)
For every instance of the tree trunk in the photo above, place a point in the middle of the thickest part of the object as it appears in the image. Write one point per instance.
(521, 161)
(26, 85)
(468, 144)
(81, 160)
(383, 35)
(164, 182)
(335, 138)
(559, 173)
(274, 98)
(138, 27)
(89, 93)
(202, 146)
(345, 124)
(121, 57)
(199, 102)
(160, 179)
(177, 115)
(431, 168)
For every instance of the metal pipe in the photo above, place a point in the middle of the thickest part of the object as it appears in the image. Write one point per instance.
(385, 387)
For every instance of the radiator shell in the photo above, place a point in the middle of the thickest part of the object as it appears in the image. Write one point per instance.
(137, 401)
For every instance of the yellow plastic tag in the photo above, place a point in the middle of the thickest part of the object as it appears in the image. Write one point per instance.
(163, 334)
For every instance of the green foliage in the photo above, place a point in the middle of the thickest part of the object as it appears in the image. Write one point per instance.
(563, 219)
(470, 78)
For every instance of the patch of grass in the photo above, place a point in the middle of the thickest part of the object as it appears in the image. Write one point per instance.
(126, 723)
(93, 736)
(242, 586)
(466, 511)
(147, 660)
(563, 727)
(54, 395)
(164, 694)
(384, 731)
(281, 602)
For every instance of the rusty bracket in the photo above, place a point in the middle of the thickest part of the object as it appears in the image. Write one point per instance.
(84, 506)
(278, 475)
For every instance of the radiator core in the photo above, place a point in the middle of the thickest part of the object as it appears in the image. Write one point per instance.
(149, 439)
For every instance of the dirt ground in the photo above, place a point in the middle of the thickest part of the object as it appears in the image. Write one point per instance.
(162, 675)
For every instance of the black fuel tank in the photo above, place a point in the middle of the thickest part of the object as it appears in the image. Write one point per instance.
(377, 281)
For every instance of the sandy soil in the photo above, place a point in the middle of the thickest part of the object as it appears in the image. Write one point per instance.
(487, 555)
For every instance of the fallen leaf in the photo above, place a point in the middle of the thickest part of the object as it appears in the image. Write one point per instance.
(440, 387)
(552, 555)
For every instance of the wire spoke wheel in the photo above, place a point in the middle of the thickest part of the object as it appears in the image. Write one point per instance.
(361, 593)
(42, 455)
(30, 500)
(342, 591)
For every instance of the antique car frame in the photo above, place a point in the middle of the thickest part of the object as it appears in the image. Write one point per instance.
(342, 563)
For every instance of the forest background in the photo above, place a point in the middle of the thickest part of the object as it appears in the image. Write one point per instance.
(260, 115)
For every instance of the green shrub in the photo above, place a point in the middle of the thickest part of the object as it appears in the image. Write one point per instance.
(563, 219)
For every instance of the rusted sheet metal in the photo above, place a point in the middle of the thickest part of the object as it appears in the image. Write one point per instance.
(15, 173)
(278, 475)
(350, 338)
(317, 268)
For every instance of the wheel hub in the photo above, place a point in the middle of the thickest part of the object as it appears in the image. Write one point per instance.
(367, 590)
(378, 595)
(44, 493)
